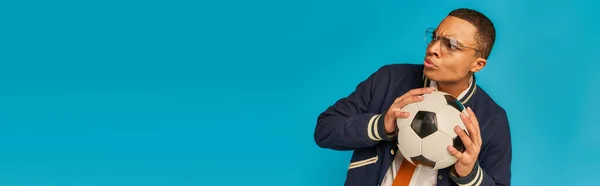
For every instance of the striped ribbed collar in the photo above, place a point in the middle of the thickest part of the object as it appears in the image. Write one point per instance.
(462, 97)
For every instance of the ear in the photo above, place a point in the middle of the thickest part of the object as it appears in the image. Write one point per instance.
(478, 64)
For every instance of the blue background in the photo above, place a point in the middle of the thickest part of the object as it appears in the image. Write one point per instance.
(227, 92)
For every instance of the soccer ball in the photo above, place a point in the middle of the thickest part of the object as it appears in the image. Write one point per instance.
(423, 137)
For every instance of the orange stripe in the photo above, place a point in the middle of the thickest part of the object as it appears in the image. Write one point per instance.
(405, 173)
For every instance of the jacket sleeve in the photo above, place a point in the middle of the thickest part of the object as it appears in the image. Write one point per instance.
(494, 168)
(346, 125)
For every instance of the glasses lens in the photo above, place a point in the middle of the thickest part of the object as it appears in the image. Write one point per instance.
(449, 45)
(445, 45)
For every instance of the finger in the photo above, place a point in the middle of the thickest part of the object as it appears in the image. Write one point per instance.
(414, 92)
(409, 100)
(473, 118)
(475, 123)
(397, 106)
(455, 152)
(473, 132)
(401, 114)
(398, 99)
(420, 91)
(467, 142)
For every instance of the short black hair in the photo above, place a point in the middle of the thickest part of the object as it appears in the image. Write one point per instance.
(486, 33)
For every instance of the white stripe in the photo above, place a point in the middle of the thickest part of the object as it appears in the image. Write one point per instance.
(480, 176)
(477, 175)
(465, 92)
(363, 162)
(370, 129)
(375, 123)
(471, 94)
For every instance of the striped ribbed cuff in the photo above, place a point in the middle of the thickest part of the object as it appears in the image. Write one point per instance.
(473, 178)
(376, 129)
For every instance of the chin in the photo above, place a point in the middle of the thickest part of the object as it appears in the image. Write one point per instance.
(430, 74)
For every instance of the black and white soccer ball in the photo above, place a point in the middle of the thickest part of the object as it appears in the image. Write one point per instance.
(423, 137)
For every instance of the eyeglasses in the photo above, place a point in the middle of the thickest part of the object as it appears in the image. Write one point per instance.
(448, 45)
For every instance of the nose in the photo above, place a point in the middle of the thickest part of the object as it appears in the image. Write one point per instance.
(433, 49)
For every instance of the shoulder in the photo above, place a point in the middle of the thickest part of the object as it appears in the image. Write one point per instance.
(488, 104)
(400, 68)
(391, 81)
(398, 71)
(492, 117)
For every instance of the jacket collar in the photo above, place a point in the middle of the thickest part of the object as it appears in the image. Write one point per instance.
(464, 96)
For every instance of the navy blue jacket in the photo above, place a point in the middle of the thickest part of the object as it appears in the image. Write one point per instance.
(345, 126)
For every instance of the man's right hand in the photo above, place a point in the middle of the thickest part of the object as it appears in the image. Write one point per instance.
(412, 96)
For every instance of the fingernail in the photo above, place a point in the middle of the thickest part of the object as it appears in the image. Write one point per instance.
(457, 128)
(469, 108)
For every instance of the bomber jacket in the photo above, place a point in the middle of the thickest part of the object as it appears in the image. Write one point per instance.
(353, 124)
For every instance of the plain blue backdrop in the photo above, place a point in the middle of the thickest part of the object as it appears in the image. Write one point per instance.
(219, 93)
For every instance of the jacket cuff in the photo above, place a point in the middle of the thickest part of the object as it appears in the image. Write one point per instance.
(376, 129)
(473, 178)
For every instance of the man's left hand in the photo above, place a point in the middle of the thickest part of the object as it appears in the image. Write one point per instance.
(466, 160)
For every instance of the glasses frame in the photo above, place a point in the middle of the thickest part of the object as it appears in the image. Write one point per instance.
(459, 45)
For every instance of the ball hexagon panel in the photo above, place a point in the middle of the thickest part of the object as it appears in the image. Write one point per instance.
(409, 143)
(412, 109)
(424, 123)
(433, 101)
(445, 163)
(448, 118)
(434, 146)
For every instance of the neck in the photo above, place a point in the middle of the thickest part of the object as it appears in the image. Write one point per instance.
(454, 88)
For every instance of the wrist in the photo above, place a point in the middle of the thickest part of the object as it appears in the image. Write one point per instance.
(388, 123)
(472, 177)
(390, 128)
(387, 129)
(464, 172)
(375, 129)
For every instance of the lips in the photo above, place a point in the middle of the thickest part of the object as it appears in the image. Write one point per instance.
(429, 64)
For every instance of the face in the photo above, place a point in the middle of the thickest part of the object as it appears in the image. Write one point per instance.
(451, 56)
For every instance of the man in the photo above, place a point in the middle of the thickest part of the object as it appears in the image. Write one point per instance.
(364, 122)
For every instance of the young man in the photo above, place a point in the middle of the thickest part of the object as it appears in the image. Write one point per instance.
(364, 122)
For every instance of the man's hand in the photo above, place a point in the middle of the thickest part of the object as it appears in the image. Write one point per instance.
(412, 96)
(467, 159)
